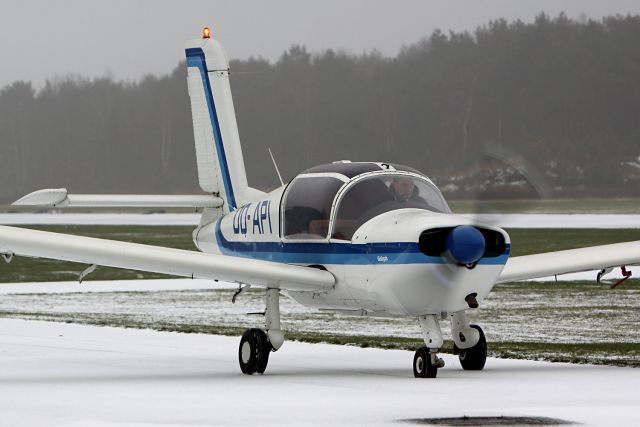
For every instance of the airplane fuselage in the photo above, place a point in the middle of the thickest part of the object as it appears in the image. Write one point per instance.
(381, 269)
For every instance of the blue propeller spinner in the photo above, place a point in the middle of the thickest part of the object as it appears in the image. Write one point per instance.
(466, 244)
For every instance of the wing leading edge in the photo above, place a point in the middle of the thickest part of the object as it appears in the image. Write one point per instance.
(157, 259)
(60, 198)
(570, 261)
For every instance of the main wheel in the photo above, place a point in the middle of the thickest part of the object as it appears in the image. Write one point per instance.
(267, 348)
(422, 366)
(253, 353)
(474, 358)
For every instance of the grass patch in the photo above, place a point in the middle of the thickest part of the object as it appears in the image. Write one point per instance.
(613, 354)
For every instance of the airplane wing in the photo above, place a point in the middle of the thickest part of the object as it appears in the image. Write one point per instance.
(570, 261)
(157, 259)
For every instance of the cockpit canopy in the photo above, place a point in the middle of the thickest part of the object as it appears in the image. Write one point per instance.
(380, 193)
(307, 206)
(354, 193)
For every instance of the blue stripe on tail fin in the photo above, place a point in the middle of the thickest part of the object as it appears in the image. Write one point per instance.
(196, 58)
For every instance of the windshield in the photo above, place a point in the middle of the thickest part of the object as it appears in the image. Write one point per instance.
(307, 207)
(379, 194)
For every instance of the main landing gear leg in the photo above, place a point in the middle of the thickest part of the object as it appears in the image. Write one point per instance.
(469, 342)
(256, 344)
(426, 361)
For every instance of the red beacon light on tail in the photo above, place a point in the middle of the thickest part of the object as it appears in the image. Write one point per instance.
(206, 33)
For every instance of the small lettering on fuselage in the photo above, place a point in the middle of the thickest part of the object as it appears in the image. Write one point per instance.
(243, 222)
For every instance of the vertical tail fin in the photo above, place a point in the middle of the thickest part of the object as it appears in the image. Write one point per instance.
(219, 154)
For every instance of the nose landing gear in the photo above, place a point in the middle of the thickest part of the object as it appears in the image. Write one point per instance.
(469, 343)
(473, 358)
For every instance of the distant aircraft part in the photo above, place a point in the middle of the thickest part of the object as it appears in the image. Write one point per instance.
(512, 158)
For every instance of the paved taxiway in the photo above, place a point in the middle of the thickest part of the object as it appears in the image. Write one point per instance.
(75, 375)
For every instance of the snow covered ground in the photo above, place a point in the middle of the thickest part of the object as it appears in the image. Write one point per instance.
(503, 220)
(58, 374)
(89, 286)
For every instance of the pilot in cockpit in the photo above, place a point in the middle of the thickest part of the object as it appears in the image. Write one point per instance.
(404, 189)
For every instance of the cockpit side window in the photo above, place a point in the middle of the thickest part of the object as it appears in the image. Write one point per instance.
(379, 194)
(307, 207)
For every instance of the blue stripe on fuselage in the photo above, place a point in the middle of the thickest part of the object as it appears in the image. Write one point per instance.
(196, 58)
(338, 253)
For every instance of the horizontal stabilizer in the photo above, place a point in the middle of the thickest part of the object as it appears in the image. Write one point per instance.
(60, 198)
(157, 259)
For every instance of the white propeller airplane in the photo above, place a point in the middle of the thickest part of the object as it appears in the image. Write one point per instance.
(363, 238)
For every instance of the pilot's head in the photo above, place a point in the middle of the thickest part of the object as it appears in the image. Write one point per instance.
(402, 187)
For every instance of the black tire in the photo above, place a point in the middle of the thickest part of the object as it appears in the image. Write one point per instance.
(474, 358)
(422, 366)
(253, 352)
(266, 350)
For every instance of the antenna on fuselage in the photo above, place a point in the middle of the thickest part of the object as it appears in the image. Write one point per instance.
(276, 166)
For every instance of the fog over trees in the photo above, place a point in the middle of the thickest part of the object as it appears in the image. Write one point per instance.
(559, 96)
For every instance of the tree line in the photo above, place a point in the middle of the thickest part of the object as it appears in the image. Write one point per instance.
(563, 94)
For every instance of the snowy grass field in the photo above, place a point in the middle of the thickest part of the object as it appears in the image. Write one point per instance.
(579, 322)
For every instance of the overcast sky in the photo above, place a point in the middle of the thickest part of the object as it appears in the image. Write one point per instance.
(40, 39)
